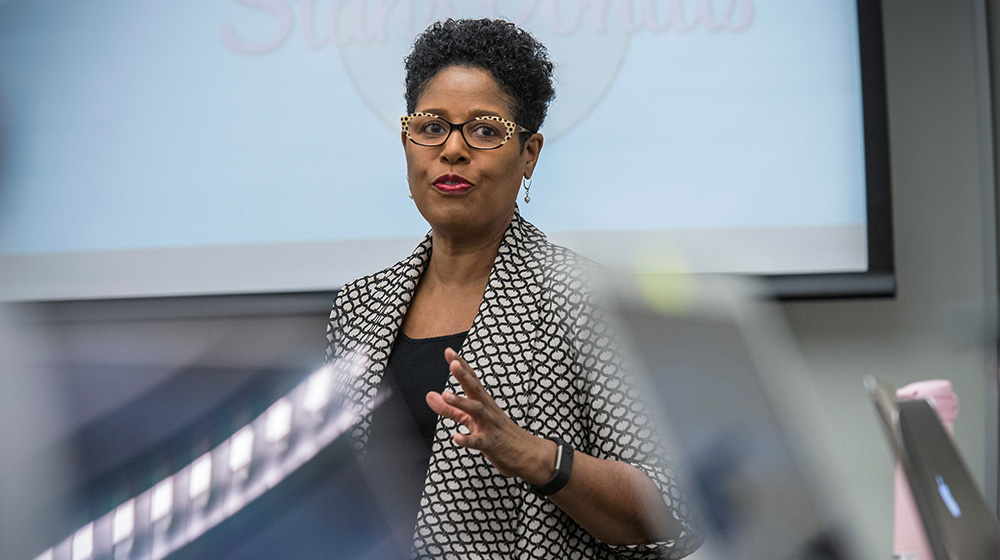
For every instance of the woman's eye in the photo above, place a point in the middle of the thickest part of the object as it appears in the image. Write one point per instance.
(433, 128)
(485, 130)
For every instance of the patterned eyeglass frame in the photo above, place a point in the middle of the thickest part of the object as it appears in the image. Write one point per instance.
(511, 126)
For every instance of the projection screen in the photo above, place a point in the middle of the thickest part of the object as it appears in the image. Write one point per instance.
(192, 147)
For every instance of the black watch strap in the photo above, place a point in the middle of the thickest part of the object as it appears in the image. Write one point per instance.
(564, 467)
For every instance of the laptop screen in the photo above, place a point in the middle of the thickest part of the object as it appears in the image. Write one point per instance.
(946, 495)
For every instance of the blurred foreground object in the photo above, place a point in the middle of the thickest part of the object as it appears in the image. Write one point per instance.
(721, 374)
(220, 491)
(31, 405)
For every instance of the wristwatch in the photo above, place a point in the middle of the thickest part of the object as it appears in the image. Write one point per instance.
(564, 467)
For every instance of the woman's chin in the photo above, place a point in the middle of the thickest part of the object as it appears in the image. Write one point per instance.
(466, 223)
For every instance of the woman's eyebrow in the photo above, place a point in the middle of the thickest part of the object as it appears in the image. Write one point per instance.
(444, 113)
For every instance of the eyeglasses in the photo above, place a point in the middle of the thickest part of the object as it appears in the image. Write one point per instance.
(482, 133)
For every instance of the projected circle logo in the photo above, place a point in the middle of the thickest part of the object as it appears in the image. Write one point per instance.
(588, 55)
(587, 39)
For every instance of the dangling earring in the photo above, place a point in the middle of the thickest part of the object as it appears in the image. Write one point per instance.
(526, 183)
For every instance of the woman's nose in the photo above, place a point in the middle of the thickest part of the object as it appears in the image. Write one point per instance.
(454, 149)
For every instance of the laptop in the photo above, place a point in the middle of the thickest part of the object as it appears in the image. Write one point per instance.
(957, 521)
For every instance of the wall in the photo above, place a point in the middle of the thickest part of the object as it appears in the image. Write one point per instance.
(942, 322)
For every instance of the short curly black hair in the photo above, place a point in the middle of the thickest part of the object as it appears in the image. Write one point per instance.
(516, 60)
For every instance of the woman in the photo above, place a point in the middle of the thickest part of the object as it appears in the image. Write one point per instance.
(528, 372)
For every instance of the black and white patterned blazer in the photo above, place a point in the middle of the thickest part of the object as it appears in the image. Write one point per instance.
(543, 352)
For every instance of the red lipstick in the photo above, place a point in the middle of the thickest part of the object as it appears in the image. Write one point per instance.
(452, 184)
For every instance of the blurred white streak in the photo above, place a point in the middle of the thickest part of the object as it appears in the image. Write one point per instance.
(241, 449)
(124, 522)
(279, 421)
(83, 543)
(318, 390)
(163, 500)
(201, 476)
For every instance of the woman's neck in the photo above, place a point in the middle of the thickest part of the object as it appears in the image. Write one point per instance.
(451, 289)
(461, 261)
(461, 264)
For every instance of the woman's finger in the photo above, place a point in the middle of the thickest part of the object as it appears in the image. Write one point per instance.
(466, 366)
(452, 357)
(439, 405)
(470, 406)
(463, 372)
(469, 440)
(470, 384)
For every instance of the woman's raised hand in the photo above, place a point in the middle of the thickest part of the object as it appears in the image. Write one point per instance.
(508, 447)
(614, 501)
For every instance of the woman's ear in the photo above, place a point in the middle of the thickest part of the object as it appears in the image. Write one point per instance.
(532, 148)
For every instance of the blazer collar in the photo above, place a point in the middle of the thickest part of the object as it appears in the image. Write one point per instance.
(516, 258)
(515, 275)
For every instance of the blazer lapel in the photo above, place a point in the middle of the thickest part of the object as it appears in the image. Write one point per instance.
(393, 294)
(499, 347)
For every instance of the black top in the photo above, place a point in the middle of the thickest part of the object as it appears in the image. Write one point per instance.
(403, 425)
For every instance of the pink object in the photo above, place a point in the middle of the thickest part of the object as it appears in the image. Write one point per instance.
(908, 539)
